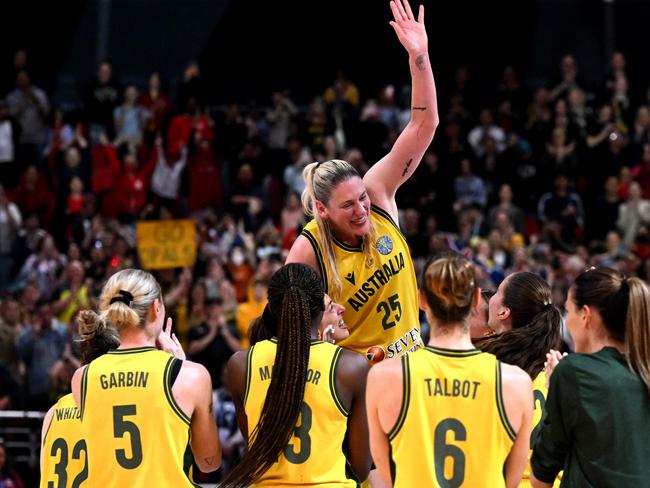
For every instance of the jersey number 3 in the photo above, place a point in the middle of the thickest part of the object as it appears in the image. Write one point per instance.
(60, 469)
(302, 434)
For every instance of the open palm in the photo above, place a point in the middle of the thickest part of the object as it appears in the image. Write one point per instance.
(410, 32)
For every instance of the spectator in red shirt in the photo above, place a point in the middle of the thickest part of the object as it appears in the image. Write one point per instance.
(133, 185)
(33, 195)
(156, 102)
(204, 175)
(181, 127)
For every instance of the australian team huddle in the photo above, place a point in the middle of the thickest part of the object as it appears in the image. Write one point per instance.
(338, 386)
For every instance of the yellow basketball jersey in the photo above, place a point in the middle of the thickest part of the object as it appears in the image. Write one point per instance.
(539, 393)
(136, 433)
(452, 429)
(65, 458)
(314, 455)
(381, 296)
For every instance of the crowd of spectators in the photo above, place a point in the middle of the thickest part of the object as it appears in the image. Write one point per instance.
(549, 179)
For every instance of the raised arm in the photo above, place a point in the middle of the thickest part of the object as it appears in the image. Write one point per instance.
(386, 176)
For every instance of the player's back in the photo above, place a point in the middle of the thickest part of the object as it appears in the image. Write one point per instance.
(136, 433)
(65, 457)
(314, 455)
(452, 429)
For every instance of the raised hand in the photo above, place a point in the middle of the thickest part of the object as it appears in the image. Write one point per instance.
(168, 342)
(410, 32)
(553, 357)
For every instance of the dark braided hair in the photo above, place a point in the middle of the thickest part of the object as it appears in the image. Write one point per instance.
(295, 303)
(535, 324)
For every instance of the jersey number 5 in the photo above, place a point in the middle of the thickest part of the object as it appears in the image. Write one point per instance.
(302, 435)
(442, 450)
(388, 306)
(59, 445)
(121, 427)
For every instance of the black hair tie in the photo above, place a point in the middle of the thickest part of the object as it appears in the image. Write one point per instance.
(124, 297)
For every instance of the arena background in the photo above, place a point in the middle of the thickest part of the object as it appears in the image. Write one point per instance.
(248, 48)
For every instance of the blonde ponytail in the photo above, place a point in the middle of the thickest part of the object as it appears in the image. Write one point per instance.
(637, 329)
(307, 198)
(127, 297)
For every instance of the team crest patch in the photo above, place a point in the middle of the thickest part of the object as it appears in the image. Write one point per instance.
(384, 245)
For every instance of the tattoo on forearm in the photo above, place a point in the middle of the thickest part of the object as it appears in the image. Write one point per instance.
(406, 168)
(209, 460)
(420, 62)
(421, 109)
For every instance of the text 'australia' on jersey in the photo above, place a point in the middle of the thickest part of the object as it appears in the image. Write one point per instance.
(380, 295)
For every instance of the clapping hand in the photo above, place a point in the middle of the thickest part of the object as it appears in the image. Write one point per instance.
(553, 358)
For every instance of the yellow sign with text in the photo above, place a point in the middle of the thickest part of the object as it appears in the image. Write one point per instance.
(164, 244)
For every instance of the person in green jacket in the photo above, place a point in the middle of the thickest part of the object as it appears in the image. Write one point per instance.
(597, 426)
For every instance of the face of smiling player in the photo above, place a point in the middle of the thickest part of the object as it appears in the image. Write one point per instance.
(348, 210)
(333, 317)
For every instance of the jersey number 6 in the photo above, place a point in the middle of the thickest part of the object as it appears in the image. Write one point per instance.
(442, 450)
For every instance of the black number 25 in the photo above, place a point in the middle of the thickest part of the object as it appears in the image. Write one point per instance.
(388, 306)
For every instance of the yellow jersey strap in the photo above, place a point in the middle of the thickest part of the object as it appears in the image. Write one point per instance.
(406, 397)
(380, 211)
(335, 396)
(172, 368)
(248, 374)
(501, 405)
(319, 255)
(84, 389)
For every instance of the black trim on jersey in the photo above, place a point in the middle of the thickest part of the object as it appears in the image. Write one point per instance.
(173, 374)
(319, 256)
(380, 211)
(501, 405)
(392, 466)
(173, 364)
(50, 425)
(131, 350)
(406, 397)
(335, 395)
(453, 353)
(188, 463)
(385, 215)
(84, 389)
(345, 247)
(274, 340)
(247, 374)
